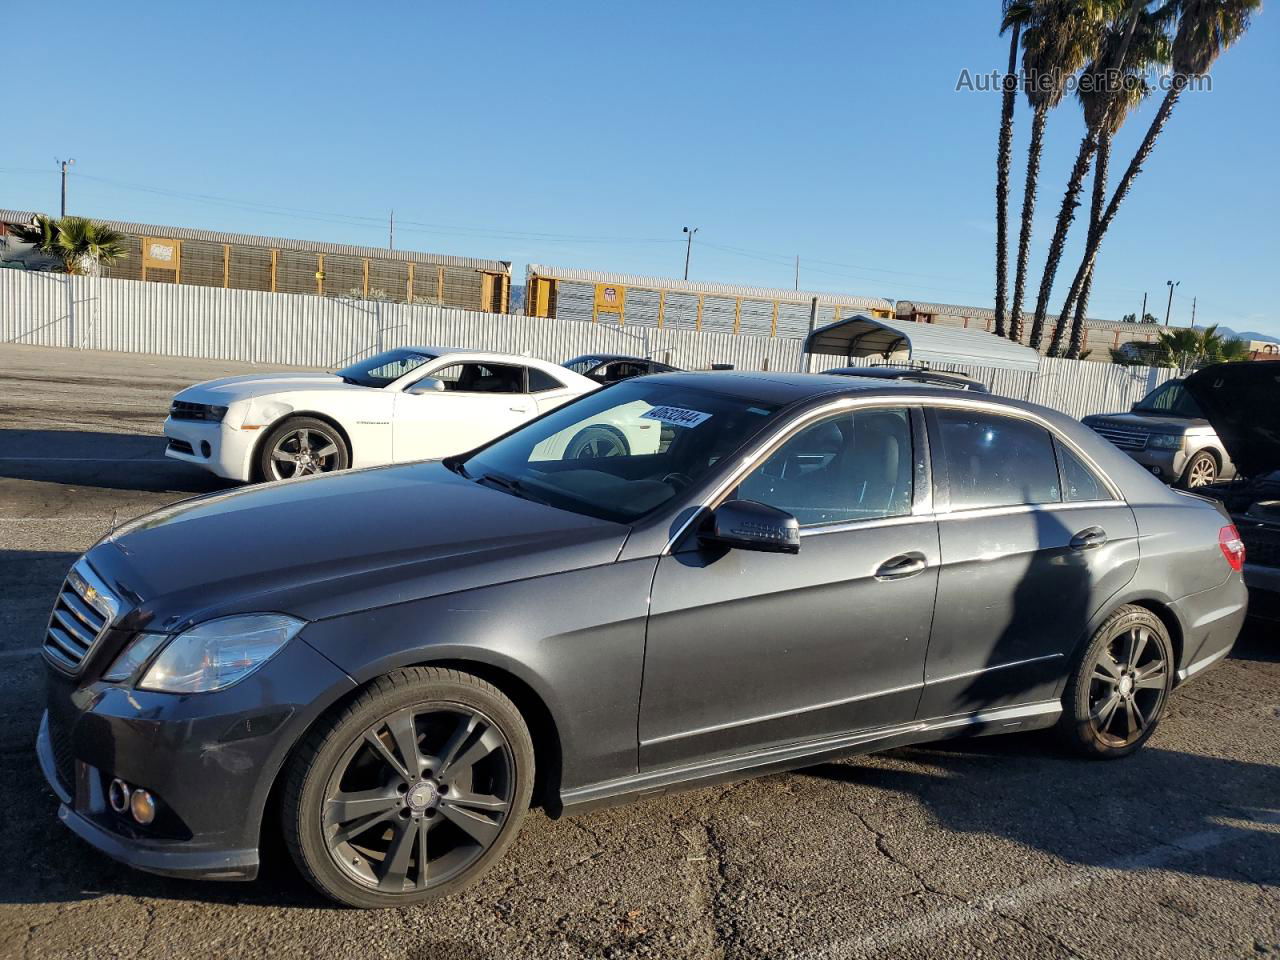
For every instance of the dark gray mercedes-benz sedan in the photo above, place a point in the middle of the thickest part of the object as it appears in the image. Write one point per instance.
(388, 666)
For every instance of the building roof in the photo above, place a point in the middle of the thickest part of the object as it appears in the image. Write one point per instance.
(715, 289)
(863, 336)
(280, 243)
(907, 307)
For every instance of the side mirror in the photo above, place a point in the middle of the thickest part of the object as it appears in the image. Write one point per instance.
(748, 525)
(427, 385)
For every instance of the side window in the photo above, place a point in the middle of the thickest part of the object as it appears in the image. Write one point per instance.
(995, 461)
(1079, 483)
(541, 381)
(624, 370)
(481, 378)
(855, 466)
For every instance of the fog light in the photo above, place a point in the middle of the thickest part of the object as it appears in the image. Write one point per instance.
(143, 807)
(118, 795)
(205, 449)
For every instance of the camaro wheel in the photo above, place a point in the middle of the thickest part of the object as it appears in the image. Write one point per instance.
(411, 792)
(1117, 694)
(1202, 469)
(301, 446)
(597, 440)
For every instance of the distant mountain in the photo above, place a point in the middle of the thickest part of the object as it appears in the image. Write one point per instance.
(1247, 335)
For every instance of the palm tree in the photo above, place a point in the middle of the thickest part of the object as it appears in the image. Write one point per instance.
(1115, 33)
(1105, 111)
(82, 245)
(1206, 28)
(1188, 348)
(87, 246)
(1058, 39)
(1015, 14)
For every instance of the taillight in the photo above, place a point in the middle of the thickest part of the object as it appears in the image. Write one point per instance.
(1232, 546)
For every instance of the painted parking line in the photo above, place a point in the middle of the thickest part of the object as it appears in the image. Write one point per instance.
(164, 460)
(1018, 899)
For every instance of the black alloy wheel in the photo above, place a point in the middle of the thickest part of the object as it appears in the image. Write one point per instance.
(1118, 692)
(413, 794)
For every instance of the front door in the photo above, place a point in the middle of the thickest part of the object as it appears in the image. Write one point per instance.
(479, 402)
(748, 649)
(1033, 543)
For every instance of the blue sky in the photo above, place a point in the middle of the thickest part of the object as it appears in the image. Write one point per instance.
(588, 134)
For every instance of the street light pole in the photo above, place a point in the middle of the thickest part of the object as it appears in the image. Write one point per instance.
(65, 164)
(689, 231)
(1171, 284)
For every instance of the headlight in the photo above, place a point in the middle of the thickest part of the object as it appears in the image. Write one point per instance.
(219, 653)
(133, 656)
(1165, 441)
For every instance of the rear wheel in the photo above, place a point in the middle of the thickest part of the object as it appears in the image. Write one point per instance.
(411, 792)
(1202, 470)
(1119, 689)
(301, 446)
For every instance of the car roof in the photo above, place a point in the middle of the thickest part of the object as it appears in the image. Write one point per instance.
(901, 373)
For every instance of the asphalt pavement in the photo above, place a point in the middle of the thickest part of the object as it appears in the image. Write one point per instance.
(999, 847)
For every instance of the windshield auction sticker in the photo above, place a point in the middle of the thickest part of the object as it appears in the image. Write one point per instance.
(676, 416)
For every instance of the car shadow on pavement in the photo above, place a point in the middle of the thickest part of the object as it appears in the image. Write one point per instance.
(112, 461)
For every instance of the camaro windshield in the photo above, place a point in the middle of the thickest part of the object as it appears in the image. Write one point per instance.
(622, 452)
(582, 364)
(384, 368)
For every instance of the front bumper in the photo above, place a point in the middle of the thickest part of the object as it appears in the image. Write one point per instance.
(1165, 464)
(217, 447)
(210, 759)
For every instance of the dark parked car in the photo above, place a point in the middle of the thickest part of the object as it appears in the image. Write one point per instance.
(801, 567)
(1241, 401)
(612, 367)
(1167, 432)
(915, 374)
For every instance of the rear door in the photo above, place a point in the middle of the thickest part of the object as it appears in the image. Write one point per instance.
(747, 649)
(480, 401)
(1024, 565)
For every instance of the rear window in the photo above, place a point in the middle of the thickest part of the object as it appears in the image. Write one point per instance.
(995, 461)
(540, 380)
(1079, 483)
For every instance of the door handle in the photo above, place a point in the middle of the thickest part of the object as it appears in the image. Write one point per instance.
(901, 567)
(519, 409)
(1088, 538)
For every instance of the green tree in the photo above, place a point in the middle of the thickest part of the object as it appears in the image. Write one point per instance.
(1189, 348)
(82, 245)
(1059, 37)
(1106, 110)
(1206, 28)
(1014, 15)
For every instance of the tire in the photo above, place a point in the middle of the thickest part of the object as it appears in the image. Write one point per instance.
(465, 802)
(597, 440)
(1202, 470)
(1115, 699)
(301, 446)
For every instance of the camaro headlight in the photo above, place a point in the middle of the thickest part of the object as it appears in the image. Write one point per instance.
(218, 653)
(1165, 441)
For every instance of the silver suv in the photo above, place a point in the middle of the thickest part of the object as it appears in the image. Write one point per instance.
(1168, 434)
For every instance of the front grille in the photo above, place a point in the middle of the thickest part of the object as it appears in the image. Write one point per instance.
(1124, 439)
(181, 446)
(183, 410)
(83, 611)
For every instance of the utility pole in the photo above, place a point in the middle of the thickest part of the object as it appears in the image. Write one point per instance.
(688, 248)
(391, 237)
(65, 163)
(797, 271)
(1193, 313)
(1171, 284)
(1142, 317)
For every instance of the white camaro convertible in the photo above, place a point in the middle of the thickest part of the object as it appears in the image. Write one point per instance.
(412, 403)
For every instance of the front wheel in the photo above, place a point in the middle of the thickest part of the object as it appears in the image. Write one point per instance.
(1201, 471)
(1118, 691)
(411, 792)
(301, 446)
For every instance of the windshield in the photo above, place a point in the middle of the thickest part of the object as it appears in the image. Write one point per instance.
(621, 452)
(581, 364)
(1171, 400)
(384, 368)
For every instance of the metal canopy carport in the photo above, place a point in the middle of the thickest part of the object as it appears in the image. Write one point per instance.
(864, 336)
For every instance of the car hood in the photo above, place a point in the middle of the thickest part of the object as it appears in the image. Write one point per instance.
(1151, 422)
(230, 389)
(1240, 400)
(333, 544)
